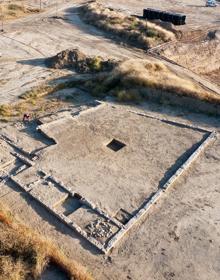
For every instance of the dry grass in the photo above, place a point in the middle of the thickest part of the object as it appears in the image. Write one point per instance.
(41, 91)
(32, 101)
(15, 9)
(140, 33)
(5, 110)
(214, 76)
(24, 254)
(135, 80)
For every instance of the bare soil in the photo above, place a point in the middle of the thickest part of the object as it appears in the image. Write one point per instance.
(180, 237)
(185, 221)
(201, 56)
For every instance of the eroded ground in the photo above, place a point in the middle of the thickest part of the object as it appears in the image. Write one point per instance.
(60, 178)
(26, 42)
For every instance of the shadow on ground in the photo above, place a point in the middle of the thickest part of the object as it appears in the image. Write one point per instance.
(49, 218)
(72, 17)
(34, 62)
(52, 272)
(171, 171)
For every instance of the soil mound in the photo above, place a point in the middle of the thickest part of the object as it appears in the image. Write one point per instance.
(129, 29)
(137, 80)
(75, 59)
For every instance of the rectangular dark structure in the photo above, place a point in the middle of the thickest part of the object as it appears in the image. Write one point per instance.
(152, 14)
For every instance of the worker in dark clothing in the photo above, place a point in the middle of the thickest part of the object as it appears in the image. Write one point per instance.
(26, 118)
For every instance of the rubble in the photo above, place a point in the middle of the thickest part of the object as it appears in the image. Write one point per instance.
(99, 229)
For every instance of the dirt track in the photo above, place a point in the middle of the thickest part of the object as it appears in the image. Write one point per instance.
(27, 41)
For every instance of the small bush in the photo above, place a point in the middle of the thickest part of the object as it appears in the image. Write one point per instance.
(99, 90)
(15, 7)
(95, 64)
(152, 33)
(134, 25)
(5, 111)
(128, 96)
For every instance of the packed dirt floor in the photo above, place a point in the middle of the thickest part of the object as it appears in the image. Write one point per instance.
(179, 238)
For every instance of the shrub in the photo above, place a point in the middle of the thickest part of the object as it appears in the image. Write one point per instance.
(5, 111)
(140, 33)
(95, 64)
(15, 7)
(128, 96)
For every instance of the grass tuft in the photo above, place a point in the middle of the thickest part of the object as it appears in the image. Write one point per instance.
(24, 254)
(16, 7)
(5, 110)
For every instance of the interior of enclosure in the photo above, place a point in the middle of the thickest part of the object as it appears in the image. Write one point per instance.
(106, 157)
(116, 158)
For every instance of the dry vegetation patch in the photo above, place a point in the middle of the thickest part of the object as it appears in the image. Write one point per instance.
(24, 254)
(33, 101)
(15, 9)
(202, 56)
(130, 29)
(135, 79)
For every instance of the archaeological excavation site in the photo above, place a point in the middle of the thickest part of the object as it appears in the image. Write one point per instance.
(109, 140)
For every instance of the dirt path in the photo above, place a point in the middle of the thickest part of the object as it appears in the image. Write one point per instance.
(27, 41)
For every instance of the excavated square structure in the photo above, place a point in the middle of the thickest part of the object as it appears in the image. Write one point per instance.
(115, 180)
(100, 170)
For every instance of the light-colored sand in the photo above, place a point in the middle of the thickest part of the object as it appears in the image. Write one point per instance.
(198, 16)
(180, 237)
(26, 42)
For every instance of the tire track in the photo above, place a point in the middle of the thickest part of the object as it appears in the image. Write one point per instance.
(22, 43)
(35, 20)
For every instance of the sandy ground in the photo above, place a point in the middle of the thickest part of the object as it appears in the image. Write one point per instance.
(198, 16)
(196, 51)
(26, 42)
(180, 237)
(115, 180)
(201, 57)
